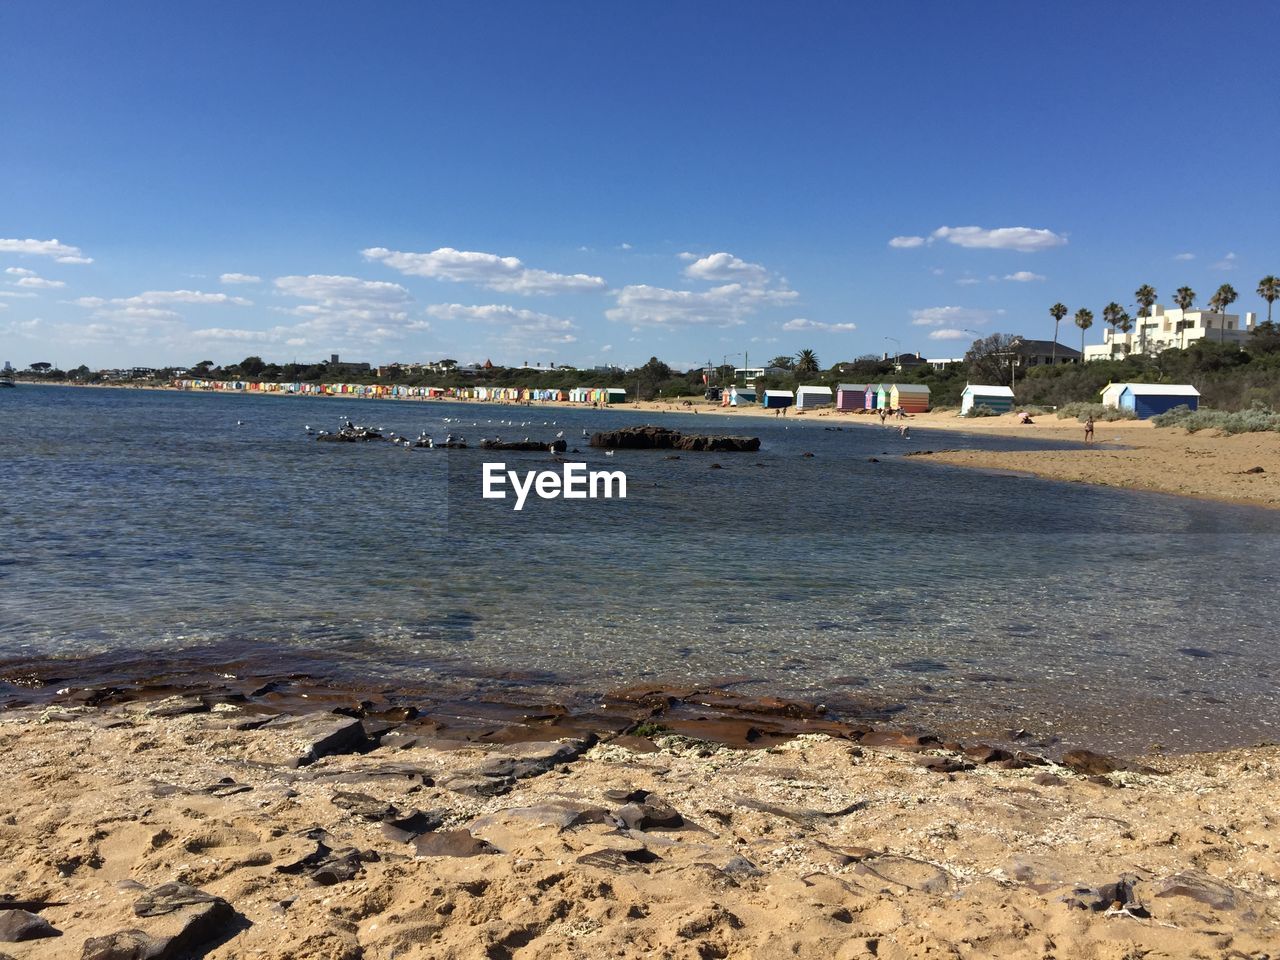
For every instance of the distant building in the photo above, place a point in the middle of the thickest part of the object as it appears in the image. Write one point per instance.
(749, 374)
(8, 368)
(1041, 353)
(905, 361)
(1172, 328)
(944, 363)
(337, 365)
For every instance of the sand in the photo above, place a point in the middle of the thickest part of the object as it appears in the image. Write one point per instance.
(818, 846)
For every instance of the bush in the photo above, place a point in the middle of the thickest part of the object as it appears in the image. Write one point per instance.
(1258, 419)
(1036, 411)
(1083, 411)
(980, 410)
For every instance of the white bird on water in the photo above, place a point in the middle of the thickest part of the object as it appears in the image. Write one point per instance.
(239, 423)
(608, 453)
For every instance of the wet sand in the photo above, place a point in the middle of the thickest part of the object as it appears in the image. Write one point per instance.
(306, 822)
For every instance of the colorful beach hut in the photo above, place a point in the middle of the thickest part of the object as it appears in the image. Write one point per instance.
(851, 396)
(871, 396)
(811, 398)
(1111, 394)
(883, 392)
(741, 396)
(911, 397)
(777, 399)
(999, 399)
(1150, 399)
(615, 395)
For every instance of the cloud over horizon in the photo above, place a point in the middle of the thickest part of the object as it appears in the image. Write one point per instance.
(61, 252)
(503, 274)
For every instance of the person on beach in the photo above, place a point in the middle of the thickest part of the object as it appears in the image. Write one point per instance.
(904, 431)
(1088, 430)
(883, 413)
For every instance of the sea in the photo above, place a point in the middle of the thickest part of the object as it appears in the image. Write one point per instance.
(831, 566)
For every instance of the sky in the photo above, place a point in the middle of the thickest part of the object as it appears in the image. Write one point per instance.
(598, 183)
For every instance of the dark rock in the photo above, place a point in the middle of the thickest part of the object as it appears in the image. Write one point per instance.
(982, 753)
(200, 918)
(1121, 895)
(1091, 764)
(406, 829)
(19, 925)
(225, 787)
(1048, 780)
(554, 446)
(452, 843)
(364, 807)
(1254, 470)
(663, 438)
(627, 796)
(319, 734)
(169, 897)
(650, 814)
(944, 764)
(326, 866)
(895, 738)
(1200, 887)
(742, 867)
(613, 858)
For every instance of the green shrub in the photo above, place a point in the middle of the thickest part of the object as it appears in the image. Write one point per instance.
(1258, 419)
(1083, 411)
(1035, 411)
(980, 410)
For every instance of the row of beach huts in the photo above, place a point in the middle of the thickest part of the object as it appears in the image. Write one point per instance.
(600, 396)
(1143, 399)
(911, 397)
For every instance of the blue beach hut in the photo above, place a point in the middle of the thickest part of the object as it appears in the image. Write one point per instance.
(777, 399)
(1148, 399)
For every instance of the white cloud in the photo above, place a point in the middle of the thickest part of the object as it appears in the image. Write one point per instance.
(16, 294)
(39, 283)
(515, 322)
(687, 256)
(624, 246)
(641, 305)
(799, 323)
(967, 281)
(1025, 239)
(61, 252)
(19, 272)
(726, 268)
(236, 336)
(1024, 276)
(505, 274)
(239, 278)
(1185, 256)
(948, 316)
(1226, 263)
(906, 243)
(949, 334)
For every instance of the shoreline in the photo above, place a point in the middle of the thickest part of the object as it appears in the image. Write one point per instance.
(334, 832)
(1134, 455)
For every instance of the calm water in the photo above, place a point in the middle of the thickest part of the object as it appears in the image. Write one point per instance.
(137, 519)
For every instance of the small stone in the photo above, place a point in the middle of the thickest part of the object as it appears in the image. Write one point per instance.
(452, 843)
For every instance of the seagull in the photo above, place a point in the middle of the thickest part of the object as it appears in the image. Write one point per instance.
(239, 423)
(608, 453)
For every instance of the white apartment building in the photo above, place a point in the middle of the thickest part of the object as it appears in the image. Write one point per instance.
(1167, 328)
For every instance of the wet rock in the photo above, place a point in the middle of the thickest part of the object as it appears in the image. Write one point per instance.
(1200, 887)
(316, 735)
(19, 925)
(452, 843)
(944, 764)
(896, 738)
(1091, 764)
(555, 446)
(663, 438)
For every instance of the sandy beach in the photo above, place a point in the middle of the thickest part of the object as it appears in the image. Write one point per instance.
(202, 826)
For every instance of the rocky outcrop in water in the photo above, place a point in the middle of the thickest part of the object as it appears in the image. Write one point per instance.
(663, 438)
(554, 446)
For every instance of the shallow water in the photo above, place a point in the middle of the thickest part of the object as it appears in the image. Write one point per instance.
(143, 519)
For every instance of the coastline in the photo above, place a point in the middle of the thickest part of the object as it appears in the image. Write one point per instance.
(1132, 454)
(372, 833)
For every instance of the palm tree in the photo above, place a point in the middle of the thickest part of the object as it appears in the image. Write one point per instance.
(1222, 298)
(1269, 290)
(1184, 298)
(1110, 315)
(1084, 320)
(1124, 323)
(806, 362)
(1145, 297)
(1057, 311)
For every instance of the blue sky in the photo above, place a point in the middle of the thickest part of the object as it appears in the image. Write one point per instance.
(595, 183)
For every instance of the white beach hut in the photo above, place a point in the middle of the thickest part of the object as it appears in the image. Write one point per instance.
(810, 398)
(999, 399)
